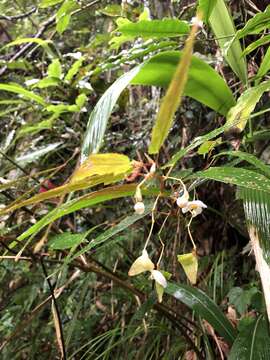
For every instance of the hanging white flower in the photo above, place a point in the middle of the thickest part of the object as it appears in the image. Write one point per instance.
(183, 200)
(159, 278)
(195, 207)
(141, 264)
(139, 208)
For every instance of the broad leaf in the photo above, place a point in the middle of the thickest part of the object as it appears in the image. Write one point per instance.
(102, 164)
(204, 307)
(54, 69)
(223, 27)
(47, 3)
(253, 46)
(253, 342)
(204, 83)
(236, 176)
(256, 24)
(240, 113)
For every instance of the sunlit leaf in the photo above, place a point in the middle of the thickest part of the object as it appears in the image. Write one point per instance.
(240, 113)
(37, 41)
(189, 263)
(149, 29)
(47, 3)
(102, 164)
(54, 69)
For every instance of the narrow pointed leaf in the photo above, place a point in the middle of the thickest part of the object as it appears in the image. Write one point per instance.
(19, 90)
(206, 6)
(98, 119)
(252, 159)
(204, 307)
(236, 176)
(173, 96)
(265, 65)
(241, 112)
(223, 27)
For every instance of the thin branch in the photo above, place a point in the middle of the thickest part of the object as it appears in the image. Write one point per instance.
(18, 17)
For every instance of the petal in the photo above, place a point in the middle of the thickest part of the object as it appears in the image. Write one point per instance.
(139, 208)
(159, 278)
(185, 209)
(197, 203)
(183, 200)
(196, 211)
(141, 264)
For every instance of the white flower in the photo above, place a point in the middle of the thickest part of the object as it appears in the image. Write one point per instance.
(159, 278)
(195, 207)
(196, 21)
(141, 264)
(183, 200)
(139, 208)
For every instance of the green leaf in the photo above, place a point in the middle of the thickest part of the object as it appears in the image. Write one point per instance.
(265, 65)
(37, 41)
(98, 119)
(82, 202)
(195, 143)
(150, 29)
(253, 46)
(206, 6)
(47, 3)
(17, 89)
(65, 241)
(46, 82)
(36, 155)
(74, 69)
(252, 159)
(108, 234)
(204, 83)
(256, 24)
(204, 307)
(236, 176)
(63, 15)
(223, 27)
(54, 69)
(111, 10)
(257, 213)
(173, 96)
(252, 343)
(240, 113)
(241, 298)
(208, 146)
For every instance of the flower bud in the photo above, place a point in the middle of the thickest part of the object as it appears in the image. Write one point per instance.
(139, 208)
(153, 168)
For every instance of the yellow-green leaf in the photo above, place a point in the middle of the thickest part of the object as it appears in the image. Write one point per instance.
(240, 113)
(173, 96)
(189, 263)
(102, 165)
